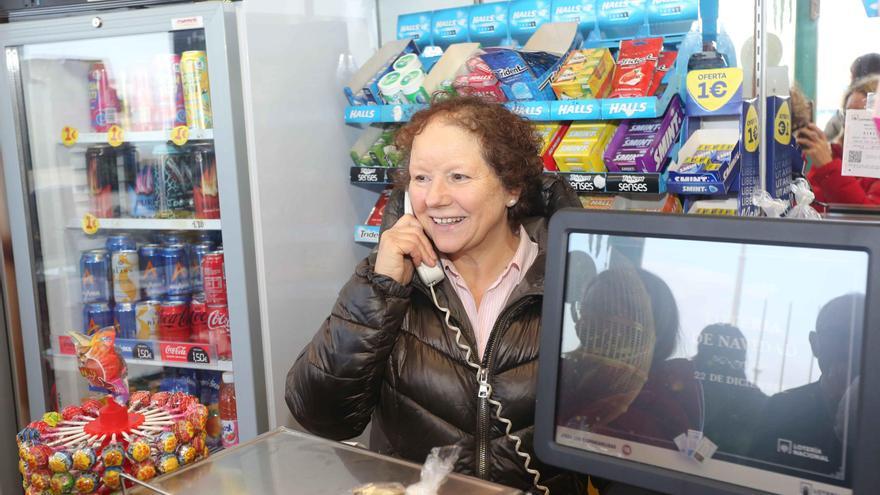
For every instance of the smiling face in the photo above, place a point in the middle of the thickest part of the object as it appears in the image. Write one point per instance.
(456, 196)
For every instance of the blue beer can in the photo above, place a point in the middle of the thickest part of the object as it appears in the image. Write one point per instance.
(94, 272)
(176, 267)
(121, 242)
(125, 319)
(173, 238)
(96, 316)
(152, 272)
(198, 253)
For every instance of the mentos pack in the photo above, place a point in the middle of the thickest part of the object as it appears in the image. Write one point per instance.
(488, 24)
(672, 16)
(621, 18)
(521, 73)
(449, 26)
(416, 26)
(582, 12)
(525, 16)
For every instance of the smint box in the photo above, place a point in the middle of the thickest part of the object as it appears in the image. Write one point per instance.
(449, 26)
(416, 26)
(643, 145)
(363, 87)
(672, 16)
(526, 74)
(525, 17)
(488, 24)
(581, 12)
(621, 18)
(706, 183)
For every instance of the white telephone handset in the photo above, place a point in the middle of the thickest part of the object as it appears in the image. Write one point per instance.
(430, 275)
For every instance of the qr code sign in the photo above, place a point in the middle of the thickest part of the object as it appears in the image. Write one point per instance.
(854, 156)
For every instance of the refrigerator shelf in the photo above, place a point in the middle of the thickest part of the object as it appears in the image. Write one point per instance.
(68, 362)
(189, 355)
(195, 134)
(152, 224)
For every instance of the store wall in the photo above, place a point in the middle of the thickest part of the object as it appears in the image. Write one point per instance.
(305, 209)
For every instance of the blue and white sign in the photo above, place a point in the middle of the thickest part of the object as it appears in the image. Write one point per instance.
(533, 110)
(488, 24)
(576, 110)
(416, 26)
(449, 26)
(525, 16)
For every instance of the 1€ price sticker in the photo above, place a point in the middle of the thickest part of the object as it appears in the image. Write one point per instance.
(751, 134)
(69, 136)
(180, 135)
(713, 89)
(115, 136)
(90, 224)
(782, 124)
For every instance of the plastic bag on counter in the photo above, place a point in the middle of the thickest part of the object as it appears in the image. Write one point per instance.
(437, 467)
(773, 208)
(803, 199)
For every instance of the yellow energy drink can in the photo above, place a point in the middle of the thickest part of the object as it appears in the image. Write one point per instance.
(196, 90)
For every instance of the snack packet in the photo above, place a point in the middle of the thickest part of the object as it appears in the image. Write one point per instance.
(664, 65)
(636, 65)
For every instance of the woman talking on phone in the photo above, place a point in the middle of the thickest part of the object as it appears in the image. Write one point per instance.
(389, 353)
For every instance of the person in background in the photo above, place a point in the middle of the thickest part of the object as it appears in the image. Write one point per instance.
(386, 353)
(865, 66)
(826, 179)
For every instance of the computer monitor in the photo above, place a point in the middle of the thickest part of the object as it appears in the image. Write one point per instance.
(695, 355)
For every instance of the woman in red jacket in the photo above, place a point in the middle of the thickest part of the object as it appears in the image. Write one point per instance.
(827, 159)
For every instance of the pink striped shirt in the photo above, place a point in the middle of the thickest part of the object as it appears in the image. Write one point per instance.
(495, 298)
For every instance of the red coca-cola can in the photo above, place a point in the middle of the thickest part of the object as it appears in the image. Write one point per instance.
(218, 330)
(214, 278)
(199, 310)
(175, 321)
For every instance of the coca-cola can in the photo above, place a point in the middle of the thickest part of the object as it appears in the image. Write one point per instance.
(214, 278)
(218, 330)
(199, 310)
(175, 321)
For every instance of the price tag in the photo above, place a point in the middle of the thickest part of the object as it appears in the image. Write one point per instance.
(750, 133)
(115, 136)
(782, 124)
(90, 224)
(713, 89)
(180, 135)
(198, 224)
(69, 136)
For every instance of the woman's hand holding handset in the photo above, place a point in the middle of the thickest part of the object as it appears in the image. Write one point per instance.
(403, 247)
(815, 145)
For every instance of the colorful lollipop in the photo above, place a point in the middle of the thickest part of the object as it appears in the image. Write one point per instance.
(52, 418)
(60, 462)
(62, 483)
(91, 407)
(83, 459)
(86, 483)
(40, 479)
(139, 399)
(186, 454)
(144, 471)
(167, 442)
(159, 399)
(39, 455)
(112, 477)
(184, 430)
(70, 413)
(113, 455)
(138, 450)
(168, 463)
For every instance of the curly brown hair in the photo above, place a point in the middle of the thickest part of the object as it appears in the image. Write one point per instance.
(510, 145)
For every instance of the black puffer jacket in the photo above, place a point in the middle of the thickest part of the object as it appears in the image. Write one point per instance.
(385, 353)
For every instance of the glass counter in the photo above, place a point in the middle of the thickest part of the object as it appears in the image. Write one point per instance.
(291, 462)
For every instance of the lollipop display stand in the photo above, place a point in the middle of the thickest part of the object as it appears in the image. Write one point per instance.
(96, 446)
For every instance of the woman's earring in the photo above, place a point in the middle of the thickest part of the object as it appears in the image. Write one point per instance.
(511, 203)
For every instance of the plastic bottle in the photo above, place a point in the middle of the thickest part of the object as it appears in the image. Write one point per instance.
(228, 413)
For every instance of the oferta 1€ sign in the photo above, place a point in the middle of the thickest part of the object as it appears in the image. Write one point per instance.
(714, 91)
(782, 124)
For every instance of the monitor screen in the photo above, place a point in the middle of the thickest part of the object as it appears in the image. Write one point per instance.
(737, 362)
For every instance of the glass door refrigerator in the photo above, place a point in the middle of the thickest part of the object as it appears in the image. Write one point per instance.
(127, 185)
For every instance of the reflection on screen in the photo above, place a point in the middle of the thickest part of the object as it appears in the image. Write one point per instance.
(730, 361)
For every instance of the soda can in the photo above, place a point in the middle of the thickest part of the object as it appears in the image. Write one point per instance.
(125, 269)
(103, 99)
(178, 297)
(206, 195)
(94, 271)
(218, 330)
(173, 237)
(214, 278)
(175, 266)
(175, 321)
(101, 176)
(147, 190)
(205, 236)
(125, 319)
(199, 251)
(175, 182)
(127, 170)
(121, 242)
(147, 315)
(152, 273)
(169, 90)
(199, 310)
(196, 89)
(96, 316)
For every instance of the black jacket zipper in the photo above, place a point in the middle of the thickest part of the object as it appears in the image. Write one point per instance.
(484, 416)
